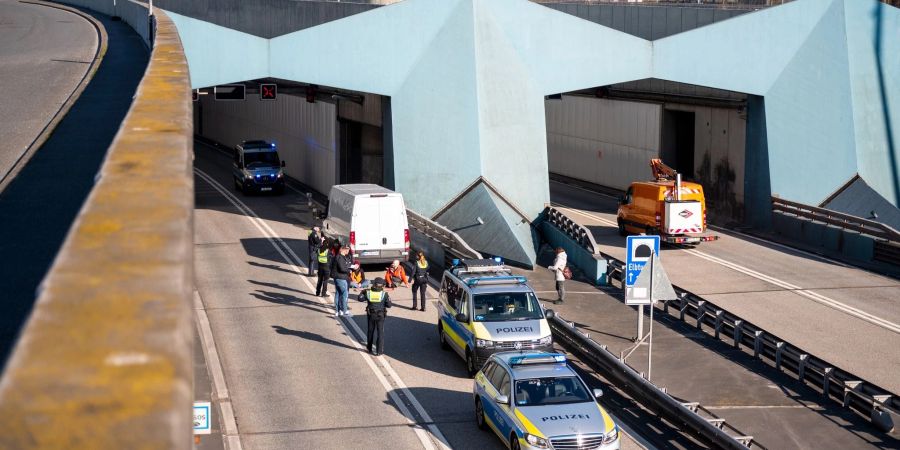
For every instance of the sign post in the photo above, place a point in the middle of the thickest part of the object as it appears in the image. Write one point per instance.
(638, 250)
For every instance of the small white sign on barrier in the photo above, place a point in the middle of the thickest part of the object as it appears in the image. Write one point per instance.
(202, 418)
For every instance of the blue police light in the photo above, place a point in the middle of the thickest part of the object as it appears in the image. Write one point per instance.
(455, 261)
(257, 176)
(537, 358)
(273, 145)
(498, 259)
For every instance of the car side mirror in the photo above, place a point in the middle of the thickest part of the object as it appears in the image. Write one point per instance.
(598, 393)
(549, 314)
(502, 399)
(282, 163)
(462, 318)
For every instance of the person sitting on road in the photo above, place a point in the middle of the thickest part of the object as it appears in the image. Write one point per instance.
(395, 274)
(358, 277)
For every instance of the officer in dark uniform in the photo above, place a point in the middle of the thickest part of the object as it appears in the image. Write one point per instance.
(420, 279)
(377, 303)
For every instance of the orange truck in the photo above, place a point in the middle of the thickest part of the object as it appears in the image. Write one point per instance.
(668, 207)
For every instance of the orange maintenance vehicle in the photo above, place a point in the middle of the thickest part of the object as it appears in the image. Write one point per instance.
(673, 209)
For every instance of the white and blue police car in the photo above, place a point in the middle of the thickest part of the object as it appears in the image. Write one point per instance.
(534, 400)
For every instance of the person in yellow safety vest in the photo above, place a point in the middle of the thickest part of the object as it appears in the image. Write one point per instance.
(377, 303)
(420, 279)
(323, 257)
(314, 242)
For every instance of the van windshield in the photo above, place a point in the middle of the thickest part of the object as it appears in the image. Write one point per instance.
(506, 306)
(261, 159)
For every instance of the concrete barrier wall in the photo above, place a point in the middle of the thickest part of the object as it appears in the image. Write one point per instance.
(133, 13)
(105, 359)
(828, 238)
(592, 266)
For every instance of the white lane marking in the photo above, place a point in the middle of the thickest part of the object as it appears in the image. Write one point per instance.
(294, 262)
(231, 436)
(818, 298)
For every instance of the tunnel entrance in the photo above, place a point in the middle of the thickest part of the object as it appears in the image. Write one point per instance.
(677, 142)
(325, 135)
(606, 136)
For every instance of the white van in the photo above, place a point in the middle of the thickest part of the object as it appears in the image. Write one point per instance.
(372, 219)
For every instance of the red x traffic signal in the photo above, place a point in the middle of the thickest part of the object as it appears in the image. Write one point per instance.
(268, 91)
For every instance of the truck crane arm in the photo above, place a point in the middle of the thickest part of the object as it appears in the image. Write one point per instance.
(662, 171)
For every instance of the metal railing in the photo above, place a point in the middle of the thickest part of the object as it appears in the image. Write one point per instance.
(686, 416)
(447, 238)
(838, 219)
(875, 403)
(574, 230)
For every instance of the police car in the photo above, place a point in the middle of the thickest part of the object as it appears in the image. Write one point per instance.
(484, 309)
(534, 400)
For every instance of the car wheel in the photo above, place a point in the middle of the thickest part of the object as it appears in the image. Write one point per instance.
(514, 442)
(479, 415)
(443, 337)
(470, 364)
(622, 231)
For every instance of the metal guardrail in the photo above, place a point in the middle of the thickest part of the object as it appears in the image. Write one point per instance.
(450, 240)
(683, 415)
(877, 404)
(573, 229)
(839, 219)
(105, 359)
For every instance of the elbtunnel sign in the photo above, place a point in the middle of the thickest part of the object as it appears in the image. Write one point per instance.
(638, 252)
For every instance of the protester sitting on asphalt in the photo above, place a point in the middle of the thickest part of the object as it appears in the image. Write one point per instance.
(358, 277)
(395, 274)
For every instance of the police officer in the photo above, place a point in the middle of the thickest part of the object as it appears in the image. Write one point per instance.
(314, 242)
(323, 257)
(420, 279)
(377, 302)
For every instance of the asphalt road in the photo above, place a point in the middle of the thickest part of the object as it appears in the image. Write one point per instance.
(39, 205)
(44, 53)
(847, 316)
(294, 375)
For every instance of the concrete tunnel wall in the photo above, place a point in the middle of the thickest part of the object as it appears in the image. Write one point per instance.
(466, 79)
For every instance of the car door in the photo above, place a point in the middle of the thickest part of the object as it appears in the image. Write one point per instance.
(501, 413)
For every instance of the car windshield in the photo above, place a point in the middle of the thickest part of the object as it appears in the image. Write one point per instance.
(261, 159)
(550, 391)
(505, 306)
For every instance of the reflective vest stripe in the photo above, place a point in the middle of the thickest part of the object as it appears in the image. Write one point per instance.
(422, 265)
(323, 256)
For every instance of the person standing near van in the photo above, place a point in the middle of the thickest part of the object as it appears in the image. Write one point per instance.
(377, 302)
(323, 260)
(420, 279)
(314, 242)
(559, 267)
(340, 272)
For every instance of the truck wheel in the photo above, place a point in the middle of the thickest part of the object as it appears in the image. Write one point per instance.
(622, 231)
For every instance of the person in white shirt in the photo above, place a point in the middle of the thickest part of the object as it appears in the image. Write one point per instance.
(559, 266)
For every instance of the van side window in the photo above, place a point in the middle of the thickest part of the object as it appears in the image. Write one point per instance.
(464, 304)
(452, 293)
(628, 195)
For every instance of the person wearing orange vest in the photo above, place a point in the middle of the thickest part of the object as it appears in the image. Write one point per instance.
(420, 279)
(395, 274)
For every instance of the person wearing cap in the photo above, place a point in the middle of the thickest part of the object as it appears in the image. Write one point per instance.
(395, 274)
(314, 243)
(377, 303)
(340, 273)
(420, 279)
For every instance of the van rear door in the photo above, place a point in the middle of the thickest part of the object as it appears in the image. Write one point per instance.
(392, 214)
(365, 224)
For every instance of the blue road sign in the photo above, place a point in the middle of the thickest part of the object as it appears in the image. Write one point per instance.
(638, 252)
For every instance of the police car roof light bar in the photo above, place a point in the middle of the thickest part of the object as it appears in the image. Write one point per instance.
(537, 358)
(503, 279)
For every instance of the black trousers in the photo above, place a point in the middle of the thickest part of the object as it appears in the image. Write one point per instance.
(322, 284)
(419, 288)
(376, 324)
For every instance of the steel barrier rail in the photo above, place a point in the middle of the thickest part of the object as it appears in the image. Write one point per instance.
(105, 359)
(450, 240)
(646, 393)
(875, 403)
(839, 219)
(573, 229)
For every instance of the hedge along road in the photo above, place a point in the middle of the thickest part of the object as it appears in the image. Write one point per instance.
(38, 206)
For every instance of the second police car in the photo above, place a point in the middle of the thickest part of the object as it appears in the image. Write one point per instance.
(484, 309)
(534, 400)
